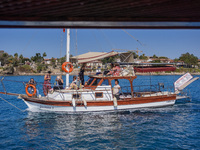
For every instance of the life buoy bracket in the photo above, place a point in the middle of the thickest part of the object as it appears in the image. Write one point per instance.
(70, 68)
(34, 90)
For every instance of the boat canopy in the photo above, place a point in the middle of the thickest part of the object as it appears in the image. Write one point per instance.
(93, 56)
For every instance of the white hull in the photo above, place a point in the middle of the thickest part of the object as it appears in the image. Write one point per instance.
(36, 106)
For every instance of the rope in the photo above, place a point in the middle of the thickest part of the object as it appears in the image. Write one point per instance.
(133, 37)
(97, 41)
(12, 104)
(107, 40)
(61, 42)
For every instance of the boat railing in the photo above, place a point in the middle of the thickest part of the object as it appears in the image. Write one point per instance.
(146, 90)
(125, 91)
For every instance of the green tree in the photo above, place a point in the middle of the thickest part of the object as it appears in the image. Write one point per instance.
(16, 55)
(156, 61)
(15, 60)
(109, 59)
(189, 59)
(37, 58)
(143, 57)
(176, 60)
(4, 58)
(154, 56)
(53, 62)
(21, 58)
(163, 57)
(44, 54)
(62, 60)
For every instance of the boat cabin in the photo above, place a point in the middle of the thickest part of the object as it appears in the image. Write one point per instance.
(95, 81)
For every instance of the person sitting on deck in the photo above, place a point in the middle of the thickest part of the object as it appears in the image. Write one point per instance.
(116, 89)
(115, 70)
(112, 69)
(73, 85)
(125, 71)
(59, 82)
(30, 89)
(78, 83)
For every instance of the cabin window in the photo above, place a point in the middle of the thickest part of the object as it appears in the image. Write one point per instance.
(96, 82)
(89, 81)
(99, 94)
(76, 96)
(105, 82)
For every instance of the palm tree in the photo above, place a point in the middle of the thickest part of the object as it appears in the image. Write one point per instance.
(16, 55)
(44, 54)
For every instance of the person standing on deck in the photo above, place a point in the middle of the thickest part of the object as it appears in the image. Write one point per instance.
(47, 84)
(81, 73)
(116, 89)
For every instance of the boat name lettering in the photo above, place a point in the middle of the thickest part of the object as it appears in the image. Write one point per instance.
(46, 107)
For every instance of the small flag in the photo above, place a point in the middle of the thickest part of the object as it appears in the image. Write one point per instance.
(64, 30)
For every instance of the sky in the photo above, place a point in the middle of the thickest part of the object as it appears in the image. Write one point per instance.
(161, 42)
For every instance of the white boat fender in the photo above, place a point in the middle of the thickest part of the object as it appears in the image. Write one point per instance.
(115, 101)
(84, 101)
(73, 102)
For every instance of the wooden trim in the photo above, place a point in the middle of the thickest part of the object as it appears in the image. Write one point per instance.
(127, 101)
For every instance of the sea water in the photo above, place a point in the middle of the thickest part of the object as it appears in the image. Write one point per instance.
(173, 127)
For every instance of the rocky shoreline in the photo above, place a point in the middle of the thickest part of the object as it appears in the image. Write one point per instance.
(91, 73)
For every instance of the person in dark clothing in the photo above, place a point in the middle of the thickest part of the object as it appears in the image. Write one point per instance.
(81, 73)
(59, 84)
(30, 89)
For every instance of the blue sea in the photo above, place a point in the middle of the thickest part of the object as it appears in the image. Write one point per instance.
(174, 127)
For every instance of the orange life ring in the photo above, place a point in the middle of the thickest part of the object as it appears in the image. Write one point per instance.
(68, 64)
(34, 90)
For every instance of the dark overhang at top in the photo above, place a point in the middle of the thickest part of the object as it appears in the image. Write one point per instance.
(100, 13)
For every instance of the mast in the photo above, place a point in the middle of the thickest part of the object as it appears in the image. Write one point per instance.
(67, 55)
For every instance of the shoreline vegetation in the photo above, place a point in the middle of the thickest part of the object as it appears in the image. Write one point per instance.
(38, 65)
(76, 72)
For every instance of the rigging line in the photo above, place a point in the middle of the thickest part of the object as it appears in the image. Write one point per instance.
(106, 39)
(61, 43)
(97, 40)
(133, 37)
(12, 104)
(76, 45)
(28, 43)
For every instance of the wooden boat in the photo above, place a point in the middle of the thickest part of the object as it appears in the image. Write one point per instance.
(97, 95)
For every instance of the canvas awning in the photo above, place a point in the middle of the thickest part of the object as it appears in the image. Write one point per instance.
(93, 56)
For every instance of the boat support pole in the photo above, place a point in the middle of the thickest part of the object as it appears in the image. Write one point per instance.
(67, 55)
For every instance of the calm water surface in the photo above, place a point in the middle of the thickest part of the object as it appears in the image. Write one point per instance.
(175, 127)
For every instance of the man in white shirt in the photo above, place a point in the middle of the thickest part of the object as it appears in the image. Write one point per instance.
(116, 89)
